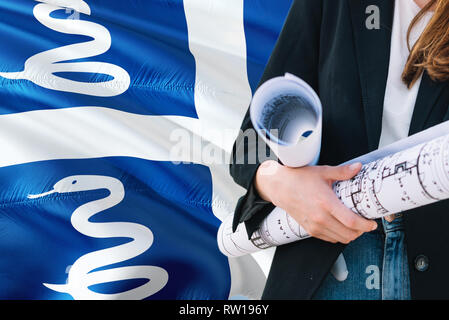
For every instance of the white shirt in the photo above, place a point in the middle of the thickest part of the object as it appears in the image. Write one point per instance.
(399, 101)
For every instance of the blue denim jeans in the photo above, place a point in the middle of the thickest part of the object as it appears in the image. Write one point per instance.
(377, 265)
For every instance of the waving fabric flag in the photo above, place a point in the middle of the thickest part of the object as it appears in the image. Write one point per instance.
(103, 194)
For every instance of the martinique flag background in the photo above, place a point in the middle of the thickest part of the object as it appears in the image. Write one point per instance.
(127, 209)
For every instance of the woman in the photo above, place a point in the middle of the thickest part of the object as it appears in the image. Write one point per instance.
(378, 83)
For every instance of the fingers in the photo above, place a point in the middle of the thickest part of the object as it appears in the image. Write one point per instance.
(334, 206)
(341, 233)
(342, 172)
(326, 227)
(315, 206)
(349, 218)
(336, 222)
(326, 238)
(390, 217)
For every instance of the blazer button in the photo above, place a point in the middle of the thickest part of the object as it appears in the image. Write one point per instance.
(421, 263)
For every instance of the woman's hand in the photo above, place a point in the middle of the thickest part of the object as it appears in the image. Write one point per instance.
(306, 194)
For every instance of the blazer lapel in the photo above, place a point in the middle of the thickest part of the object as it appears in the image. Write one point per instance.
(372, 48)
(426, 103)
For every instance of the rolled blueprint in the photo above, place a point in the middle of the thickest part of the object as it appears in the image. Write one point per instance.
(404, 180)
(407, 174)
(286, 113)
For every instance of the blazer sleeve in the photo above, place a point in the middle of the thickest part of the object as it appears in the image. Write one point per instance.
(296, 52)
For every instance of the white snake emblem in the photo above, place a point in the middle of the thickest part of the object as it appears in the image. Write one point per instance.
(81, 275)
(41, 68)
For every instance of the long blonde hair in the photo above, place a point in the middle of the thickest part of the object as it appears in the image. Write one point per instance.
(431, 50)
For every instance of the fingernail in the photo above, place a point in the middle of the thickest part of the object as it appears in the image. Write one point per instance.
(354, 166)
(374, 227)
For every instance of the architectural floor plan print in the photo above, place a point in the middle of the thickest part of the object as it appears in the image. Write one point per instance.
(402, 181)
(398, 182)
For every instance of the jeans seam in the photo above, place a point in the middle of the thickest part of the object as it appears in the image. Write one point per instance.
(383, 268)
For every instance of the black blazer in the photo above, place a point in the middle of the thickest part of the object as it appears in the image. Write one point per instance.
(327, 44)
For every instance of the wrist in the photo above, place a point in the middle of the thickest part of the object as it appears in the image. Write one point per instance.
(265, 180)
